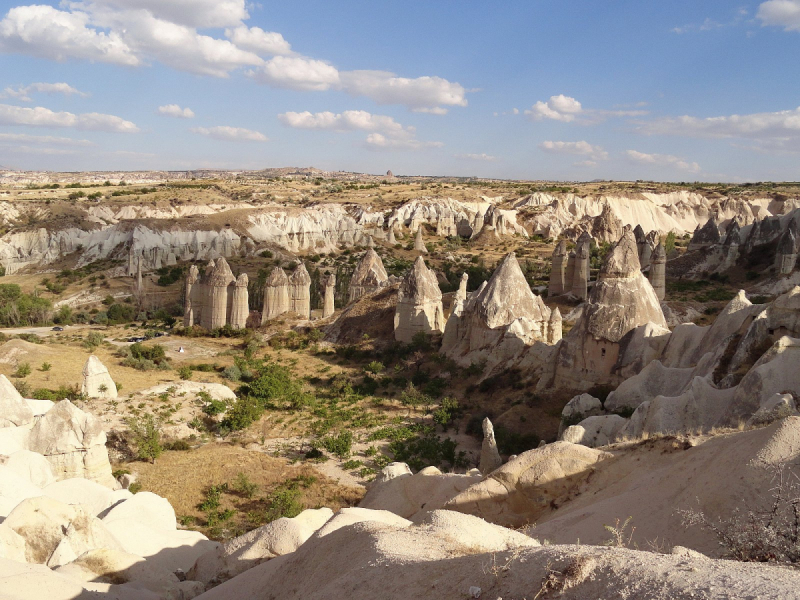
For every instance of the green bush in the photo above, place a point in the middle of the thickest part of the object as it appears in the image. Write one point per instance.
(23, 370)
(185, 372)
(341, 445)
(146, 434)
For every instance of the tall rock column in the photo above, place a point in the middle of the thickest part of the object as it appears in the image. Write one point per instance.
(580, 277)
(328, 307)
(190, 309)
(300, 292)
(490, 455)
(558, 270)
(419, 244)
(786, 256)
(97, 382)
(419, 304)
(218, 278)
(276, 295)
(240, 308)
(369, 276)
(555, 327)
(658, 271)
(461, 295)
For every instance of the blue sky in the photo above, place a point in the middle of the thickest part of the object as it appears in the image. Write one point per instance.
(569, 90)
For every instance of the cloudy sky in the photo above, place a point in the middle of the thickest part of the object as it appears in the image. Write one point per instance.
(682, 90)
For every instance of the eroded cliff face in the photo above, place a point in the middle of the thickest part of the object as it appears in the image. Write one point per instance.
(682, 212)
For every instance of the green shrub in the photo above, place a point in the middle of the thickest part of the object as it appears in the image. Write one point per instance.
(374, 367)
(146, 434)
(46, 366)
(23, 370)
(232, 373)
(185, 372)
(341, 445)
(244, 486)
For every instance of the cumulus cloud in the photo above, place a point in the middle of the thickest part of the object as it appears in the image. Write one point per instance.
(349, 120)
(782, 124)
(664, 160)
(24, 138)
(46, 32)
(297, 73)
(44, 117)
(231, 134)
(481, 157)
(423, 94)
(23, 93)
(782, 13)
(194, 13)
(558, 108)
(379, 141)
(581, 148)
(173, 110)
(259, 41)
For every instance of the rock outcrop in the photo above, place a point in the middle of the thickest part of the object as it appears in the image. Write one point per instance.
(210, 301)
(368, 277)
(786, 255)
(328, 300)
(658, 271)
(621, 300)
(419, 243)
(240, 308)
(558, 271)
(97, 382)
(499, 320)
(490, 455)
(419, 304)
(14, 411)
(300, 292)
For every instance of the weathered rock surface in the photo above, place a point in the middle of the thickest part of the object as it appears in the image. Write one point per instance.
(490, 455)
(419, 304)
(14, 411)
(97, 381)
(368, 277)
(276, 295)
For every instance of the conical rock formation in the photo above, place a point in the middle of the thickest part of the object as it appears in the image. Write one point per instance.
(419, 304)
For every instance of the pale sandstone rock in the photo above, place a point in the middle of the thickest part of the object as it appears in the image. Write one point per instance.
(215, 286)
(193, 298)
(786, 255)
(523, 489)
(73, 442)
(352, 515)
(12, 544)
(277, 538)
(580, 276)
(419, 304)
(56, 533)
(490, 455)
(558, 273)
(594, 431)
(329, 307)
(276, 295)
(778, 406)
(419, 244)
(97, 381)
(654, 380)
(14, 488)
(578, 408)
(13, 409)
(300, 292)
(240, 308)
(369, 276)
(658, 271)
(31, 466)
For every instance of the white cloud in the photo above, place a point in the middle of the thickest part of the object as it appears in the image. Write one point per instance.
(297, 73)
(481, 157)
(24, 138)
(349, 120)
(581, 148)
(559, 108)
(783, 13)
(23, 93)
(379, 141)
(45, 32)
(44, 117)
(194, 13)
(782, 124)
(231, 134)
(259, 41)
(423, 94)
(664, 160)
(586, 163)
(173, 110)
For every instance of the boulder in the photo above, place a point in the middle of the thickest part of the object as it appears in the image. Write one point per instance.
(776, 407)
(95, 498)
(277, 538)
(56, 533)
(30, 466)
(73, 441)
(14, 488)
(12, 544)
(352, 515)
(97, 382)
(14, 411)
(594, 431)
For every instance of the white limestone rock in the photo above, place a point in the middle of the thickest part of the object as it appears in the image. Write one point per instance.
(490, 455)
(419, 304)
(14, 412)
(97, 381)
(594, 431)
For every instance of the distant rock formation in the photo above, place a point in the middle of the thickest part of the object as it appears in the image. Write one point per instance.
(419, 304)
(658, 271)
(786, 255)
(461, 294)
(580, 275)
(276, 295)
(558, 271)
(419, 244)
(705, 236)
(300, 292)
(211, 300)
(368, 277)
(622, 299)
(328, 304)
(97, 382)
(240, 308)
(499, 320)
(606, 227)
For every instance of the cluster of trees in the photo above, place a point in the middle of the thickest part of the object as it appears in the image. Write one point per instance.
(17, 308)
